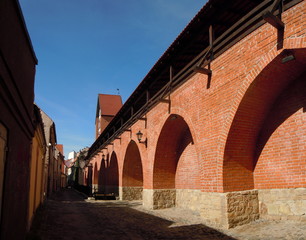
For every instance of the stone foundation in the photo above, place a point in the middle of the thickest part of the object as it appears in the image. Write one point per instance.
(210, 206)
(232, 209)
(130, 193)
(282, 204)
(242, 207)
(164, 198)
(147, 198)
(159, 198)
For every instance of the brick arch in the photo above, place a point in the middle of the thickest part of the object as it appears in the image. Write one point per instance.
(242, 144)
(281, 141)
(95, 176)
(132, 174)
(176, 161)
(102, 175)
(113, 175)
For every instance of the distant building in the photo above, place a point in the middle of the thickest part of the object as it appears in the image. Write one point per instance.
(69, 165)
(107, 107)
(71, 155)
(59, 159)
(50, 133)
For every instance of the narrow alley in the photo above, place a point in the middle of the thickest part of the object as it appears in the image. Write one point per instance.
(89, 219)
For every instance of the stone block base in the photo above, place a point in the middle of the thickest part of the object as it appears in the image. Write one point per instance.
(159, 198)
(228, 210)
(130, 193)
(242, 207)
(282, 204)
(216, 209)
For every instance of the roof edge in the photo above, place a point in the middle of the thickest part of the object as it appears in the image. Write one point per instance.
(25, 29)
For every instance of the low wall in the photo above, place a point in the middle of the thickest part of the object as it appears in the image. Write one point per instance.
(210, 206)
(130, 193)
(159, 198)
(216, 209)
(242, 207)
(232, 209)
(282, 204)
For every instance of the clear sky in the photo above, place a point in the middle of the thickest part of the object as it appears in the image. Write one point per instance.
(87, 47)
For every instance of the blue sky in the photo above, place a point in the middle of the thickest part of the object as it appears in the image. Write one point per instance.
(96, 46)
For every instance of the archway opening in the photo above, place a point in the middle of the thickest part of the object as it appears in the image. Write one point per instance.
(176, 171)
(113, 176)
(132, 181)
(95, 186)
(264, 148)
(102, 176)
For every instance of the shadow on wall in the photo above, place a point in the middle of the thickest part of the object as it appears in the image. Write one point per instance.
(102, 175)
(108, 175)
(249, 133)
(290, 101)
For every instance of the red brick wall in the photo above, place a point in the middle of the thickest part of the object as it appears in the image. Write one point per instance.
(253, 109)
(281, 145)
(104, 121)
(187, 172)
(132, 169)
(113, 175)
(102, 175)
(227, 121)
(173, 166)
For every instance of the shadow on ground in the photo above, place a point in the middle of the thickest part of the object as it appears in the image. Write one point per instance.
(67, 216)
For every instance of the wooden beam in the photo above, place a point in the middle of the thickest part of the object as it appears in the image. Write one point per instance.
(273, 20)
(277, 4)
(202, 70)
(164, 100)
(211, 36)
(147, 96)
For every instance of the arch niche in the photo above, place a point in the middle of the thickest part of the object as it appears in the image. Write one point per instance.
(102, 178)
(265, 148)
(113, 176)
(176, 171)
(95, 186)
(132, 178)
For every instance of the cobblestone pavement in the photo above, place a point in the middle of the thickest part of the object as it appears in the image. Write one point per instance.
(69, 216)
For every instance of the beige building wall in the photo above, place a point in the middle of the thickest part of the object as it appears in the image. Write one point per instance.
(36, 192)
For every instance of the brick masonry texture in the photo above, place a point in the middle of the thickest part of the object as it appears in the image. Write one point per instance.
(224, 149)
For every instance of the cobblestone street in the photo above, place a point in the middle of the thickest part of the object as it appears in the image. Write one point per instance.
(68, 216)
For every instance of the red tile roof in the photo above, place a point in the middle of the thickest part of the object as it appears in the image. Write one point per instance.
(109, 104)
(60, 148)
